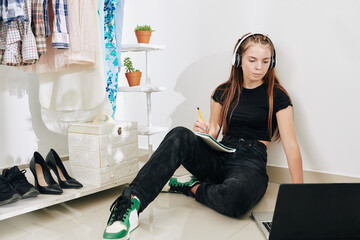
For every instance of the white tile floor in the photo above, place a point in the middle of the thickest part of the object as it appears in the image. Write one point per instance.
(169, 216)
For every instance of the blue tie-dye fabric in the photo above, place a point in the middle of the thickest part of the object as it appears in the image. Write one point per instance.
(112, 48)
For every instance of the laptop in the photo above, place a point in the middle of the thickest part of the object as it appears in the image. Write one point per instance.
(313, 211)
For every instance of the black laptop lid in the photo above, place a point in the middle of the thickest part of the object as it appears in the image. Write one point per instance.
(317, 211)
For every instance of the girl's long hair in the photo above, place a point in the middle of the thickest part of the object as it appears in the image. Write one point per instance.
(232, 88)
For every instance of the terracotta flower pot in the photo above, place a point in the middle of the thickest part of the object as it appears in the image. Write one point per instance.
(143, 36)
(133, 78)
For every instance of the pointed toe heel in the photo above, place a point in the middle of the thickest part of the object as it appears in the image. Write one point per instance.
(54, 162)
(44, 182)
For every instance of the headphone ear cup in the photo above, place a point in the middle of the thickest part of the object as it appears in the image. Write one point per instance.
(273, 62)
(237, 60)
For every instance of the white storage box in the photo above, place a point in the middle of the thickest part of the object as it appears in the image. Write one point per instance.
(102, 153)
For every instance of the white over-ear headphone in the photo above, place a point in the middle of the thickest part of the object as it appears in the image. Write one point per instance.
(236, 59)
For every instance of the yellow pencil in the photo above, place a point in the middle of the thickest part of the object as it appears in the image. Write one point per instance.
(200, 114)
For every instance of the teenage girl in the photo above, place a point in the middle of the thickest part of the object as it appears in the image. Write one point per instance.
(251, 108)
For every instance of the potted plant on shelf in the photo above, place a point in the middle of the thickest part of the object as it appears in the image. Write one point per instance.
(143, 33)
(133, 76)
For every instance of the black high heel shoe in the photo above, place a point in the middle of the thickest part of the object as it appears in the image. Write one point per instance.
(44, 182)
(54, 162)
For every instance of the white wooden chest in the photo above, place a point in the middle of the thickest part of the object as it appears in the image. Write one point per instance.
(103, 153)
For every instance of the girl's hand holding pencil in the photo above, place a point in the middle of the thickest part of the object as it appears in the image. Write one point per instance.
(200, 126)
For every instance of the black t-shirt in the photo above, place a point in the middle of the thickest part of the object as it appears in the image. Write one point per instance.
(250, 117)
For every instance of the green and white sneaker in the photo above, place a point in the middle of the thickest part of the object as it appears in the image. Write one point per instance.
(183, 184)
(124, 218)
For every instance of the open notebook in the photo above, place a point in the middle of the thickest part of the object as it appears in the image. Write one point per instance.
(214, 144)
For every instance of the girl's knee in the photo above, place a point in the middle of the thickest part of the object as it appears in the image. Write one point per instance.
(241, 203)
(235, 205)
(182, 133)
(236, 199)
(179, 137)
(180, 130)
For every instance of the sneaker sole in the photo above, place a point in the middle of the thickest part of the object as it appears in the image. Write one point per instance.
(185, 178)
(33, 192)
(134, 229)
(181, 179)
(127, 237)
(14, 198)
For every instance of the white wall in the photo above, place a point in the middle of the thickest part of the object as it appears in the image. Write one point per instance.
(317, 45)
(317, 48)
(21, 129)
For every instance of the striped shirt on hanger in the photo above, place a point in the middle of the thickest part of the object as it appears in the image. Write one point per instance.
(60, 36)
(38, 25)
(46, 16)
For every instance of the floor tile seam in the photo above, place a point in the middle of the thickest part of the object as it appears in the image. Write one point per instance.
(239, 230)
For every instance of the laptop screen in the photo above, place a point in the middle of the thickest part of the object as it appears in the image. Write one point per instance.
(317, 211)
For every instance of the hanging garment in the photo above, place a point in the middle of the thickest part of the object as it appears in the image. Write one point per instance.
(58, 121)
(46, 52)
(17, 42)
(28, 48)
(83, 36)
(83, 40)
(101, 20)
(46, 18)
(39, 25)
(60, 35)
(111, 51)
(119, 19)
(11, 10)
(10, 40)
(77, 94)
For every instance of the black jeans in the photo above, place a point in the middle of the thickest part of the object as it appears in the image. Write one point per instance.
(231, 183)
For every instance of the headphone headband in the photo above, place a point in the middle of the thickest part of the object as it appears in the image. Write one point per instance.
(236, 59)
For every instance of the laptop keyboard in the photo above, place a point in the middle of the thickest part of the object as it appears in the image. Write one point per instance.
(267, 225)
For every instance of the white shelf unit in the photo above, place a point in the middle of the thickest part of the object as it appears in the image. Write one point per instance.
(146, 88)
(46, 200)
